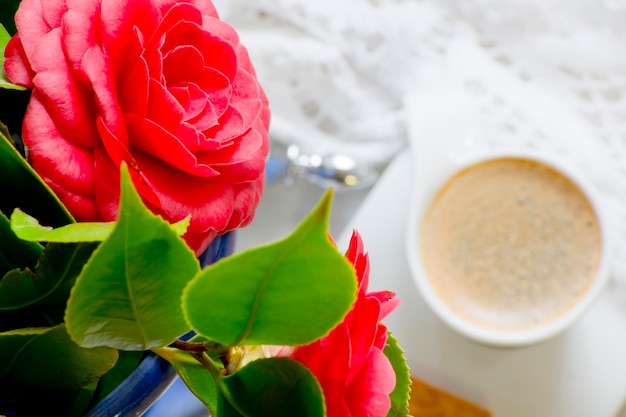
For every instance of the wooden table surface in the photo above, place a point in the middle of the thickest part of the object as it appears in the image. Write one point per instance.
(429, 401)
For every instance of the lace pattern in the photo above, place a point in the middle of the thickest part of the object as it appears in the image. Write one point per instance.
(546, 74)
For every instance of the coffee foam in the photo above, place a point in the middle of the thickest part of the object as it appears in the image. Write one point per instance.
(510, 244)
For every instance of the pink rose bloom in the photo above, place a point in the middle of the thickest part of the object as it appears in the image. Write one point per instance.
(349, 363)
(162, 85)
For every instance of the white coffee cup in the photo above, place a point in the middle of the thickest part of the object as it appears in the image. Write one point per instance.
(503, 334)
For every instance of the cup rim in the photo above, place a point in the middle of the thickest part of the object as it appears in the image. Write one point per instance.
(521, 337)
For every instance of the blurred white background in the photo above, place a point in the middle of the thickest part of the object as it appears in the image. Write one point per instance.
(546, 74)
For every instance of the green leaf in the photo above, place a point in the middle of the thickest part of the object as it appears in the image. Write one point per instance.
(28, 228)
(14, 252)
(22, 187)
(289, 293)
(17, 289)
(82, 400)
(5, 37)
(125, 365)
(51, 281)
(273, 387)
(128, 295)
(225, 408)
(194, 375)
(400, 395)
(180, 228)
(46, 358)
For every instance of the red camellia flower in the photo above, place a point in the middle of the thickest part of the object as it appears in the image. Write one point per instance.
(354, 373)
(162, 85)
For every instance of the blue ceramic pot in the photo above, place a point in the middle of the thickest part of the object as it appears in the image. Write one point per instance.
(154, 375)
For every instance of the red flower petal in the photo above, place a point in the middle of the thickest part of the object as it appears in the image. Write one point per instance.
(360, 260)
(30, 24)
(107, 185)
(388, 302)
(145, 134)
(67, 102)
(52, 12)
(220, 54)
(368, 394)
(96, 69)
(247, 195)
(154, 59)
(175, 13)
(217, 88)
(195, 104)
(134, 85)
(210, 203)
(116, 149)
(363, 324)
(17, 65)
(231, 125)
(82, 208)
(236, 161)
(207, 7)
(224, 31)
(119, 21)
(199, 111)
(164, 109)
(183, 64)
(183, 32)
(381, 336)
(329, 359)
(199, 241)
(67, 164)
(79, 30)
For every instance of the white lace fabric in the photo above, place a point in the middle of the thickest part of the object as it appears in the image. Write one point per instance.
(548, 74)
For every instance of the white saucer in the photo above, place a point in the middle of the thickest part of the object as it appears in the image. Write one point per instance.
(578, 373)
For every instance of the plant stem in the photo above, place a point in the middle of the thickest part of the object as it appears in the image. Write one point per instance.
(208, 363)
(190, 346)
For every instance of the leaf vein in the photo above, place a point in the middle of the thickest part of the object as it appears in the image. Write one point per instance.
(131, 294)
(259, 294)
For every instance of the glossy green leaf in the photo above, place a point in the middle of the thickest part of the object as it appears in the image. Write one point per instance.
(28, 228)
(226, 409)
(50, 282)
(37, 359)
(400, 395)
(82, 400)
(5, 36)
(273, 387)
(4, 39)
(17, 289)
(14, 252)
(22, 187)
(125, 365)
(288, 293)
(128, 295)
(180, 228)
(197, 378)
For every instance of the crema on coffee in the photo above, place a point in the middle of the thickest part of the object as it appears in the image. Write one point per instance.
(510, 244)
